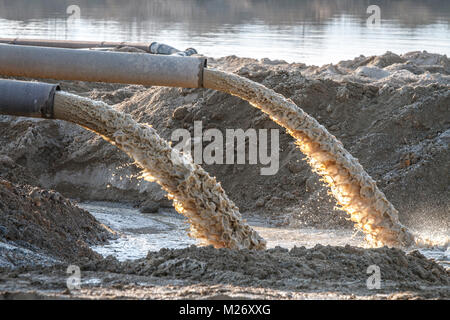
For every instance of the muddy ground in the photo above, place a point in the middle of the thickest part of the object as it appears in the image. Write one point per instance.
(392, 112)
(41, 227)
(322, 272)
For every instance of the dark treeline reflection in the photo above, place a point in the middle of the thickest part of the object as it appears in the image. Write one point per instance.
(194, 13)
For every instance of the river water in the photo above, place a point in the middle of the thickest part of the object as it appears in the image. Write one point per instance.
(140, 233)
(312, 32)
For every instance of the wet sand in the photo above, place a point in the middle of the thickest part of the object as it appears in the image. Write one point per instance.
(299, 264)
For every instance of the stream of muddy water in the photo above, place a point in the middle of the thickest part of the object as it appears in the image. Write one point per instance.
(140, 233)
(212, 216)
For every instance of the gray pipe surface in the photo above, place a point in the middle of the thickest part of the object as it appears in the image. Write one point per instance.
(97, 66)
(29, 99)
(75, 44)
(154, 47)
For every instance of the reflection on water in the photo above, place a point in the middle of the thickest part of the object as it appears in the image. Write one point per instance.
(314, 31)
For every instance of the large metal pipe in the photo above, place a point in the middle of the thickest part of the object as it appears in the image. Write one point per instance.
(29, 99)
(97, 66)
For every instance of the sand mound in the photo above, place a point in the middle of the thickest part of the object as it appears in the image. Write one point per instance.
(390, 111)
(322, 272)
(42, 227)
(321, 268)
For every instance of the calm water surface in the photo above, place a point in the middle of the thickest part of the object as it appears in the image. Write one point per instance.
(313, 32)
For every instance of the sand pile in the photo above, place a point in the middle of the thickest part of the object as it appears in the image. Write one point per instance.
(322, 268)
(390, 111)
(41, 227)
(322, 272)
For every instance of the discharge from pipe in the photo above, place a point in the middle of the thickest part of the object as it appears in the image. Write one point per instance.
(213, 217)
(354, 190)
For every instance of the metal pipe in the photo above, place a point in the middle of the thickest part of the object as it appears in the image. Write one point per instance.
(154, 47)
(30, 99)
(75, 44)
(98, 66)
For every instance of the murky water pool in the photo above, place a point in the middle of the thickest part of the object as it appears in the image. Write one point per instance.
(140, 233)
